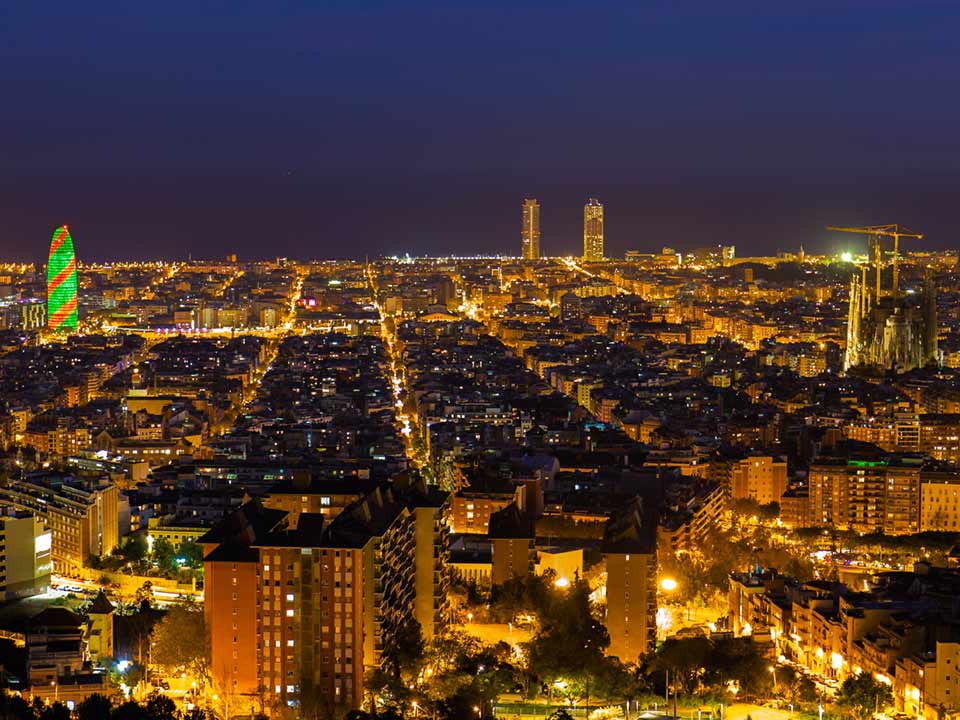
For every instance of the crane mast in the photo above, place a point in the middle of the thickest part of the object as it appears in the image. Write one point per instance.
(874, 233)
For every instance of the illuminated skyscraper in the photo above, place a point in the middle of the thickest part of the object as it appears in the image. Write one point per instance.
(593, 231)
(530, 235)
(62, 282)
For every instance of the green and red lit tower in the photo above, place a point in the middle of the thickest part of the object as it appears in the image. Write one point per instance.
(62, 282)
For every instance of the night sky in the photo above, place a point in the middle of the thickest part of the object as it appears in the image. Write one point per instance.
(338, 129)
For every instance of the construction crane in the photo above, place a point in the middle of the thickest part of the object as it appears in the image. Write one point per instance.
(874, 233)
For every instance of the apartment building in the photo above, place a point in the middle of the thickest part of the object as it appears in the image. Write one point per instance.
(25, 542)
(63, 439)
(630, 551)
(471, 507)
(877, 495)
(323, 496)
(940, 502)
(761, 478)
(321, 601)
(82, 517)
(692, 512)
(512, 535)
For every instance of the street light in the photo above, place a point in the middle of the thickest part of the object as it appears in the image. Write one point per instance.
(773, 671)
(668, 584)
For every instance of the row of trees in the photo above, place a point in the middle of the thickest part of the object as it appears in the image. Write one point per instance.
(97, 707)
(455, 672)
(703, 667)
(134, 553)
(704, 573)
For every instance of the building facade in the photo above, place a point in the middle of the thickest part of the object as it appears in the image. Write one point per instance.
(297, 613)
(25, 561)
(630, 551)
(83, 518)
(865, 496)
(530, 234)
(593, 231)
(762, 479)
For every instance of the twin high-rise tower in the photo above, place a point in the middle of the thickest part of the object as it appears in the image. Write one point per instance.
(592, 230)
(530, 235)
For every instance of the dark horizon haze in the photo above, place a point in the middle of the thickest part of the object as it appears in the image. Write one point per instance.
(344, 129)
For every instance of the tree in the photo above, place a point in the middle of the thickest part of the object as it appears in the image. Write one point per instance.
(164, 555)
(94, 707)
(862, 695)
(699, 662)
(144, 595)
(526, 595)
(192, 552)
(571, 641)
(686, 659)
(56, 711)
(14, 707)
(313, 700)
(130, 710)
(160, 707)
(134, 548)
(359, 715)
(197, 714)
(180, 639)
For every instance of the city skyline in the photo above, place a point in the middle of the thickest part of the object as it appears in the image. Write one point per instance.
(562, 225)
(294, 426)
(344, 473)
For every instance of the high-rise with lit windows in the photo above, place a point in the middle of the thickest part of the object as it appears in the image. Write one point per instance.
(298, 610)
(530, 235)
(62, 282)
(593, 231)
(630, 552)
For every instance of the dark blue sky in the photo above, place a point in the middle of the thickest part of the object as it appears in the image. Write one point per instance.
(342, 128)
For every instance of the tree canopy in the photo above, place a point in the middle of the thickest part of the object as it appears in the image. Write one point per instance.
(180, 639)
(97, 707)
(862, 695)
